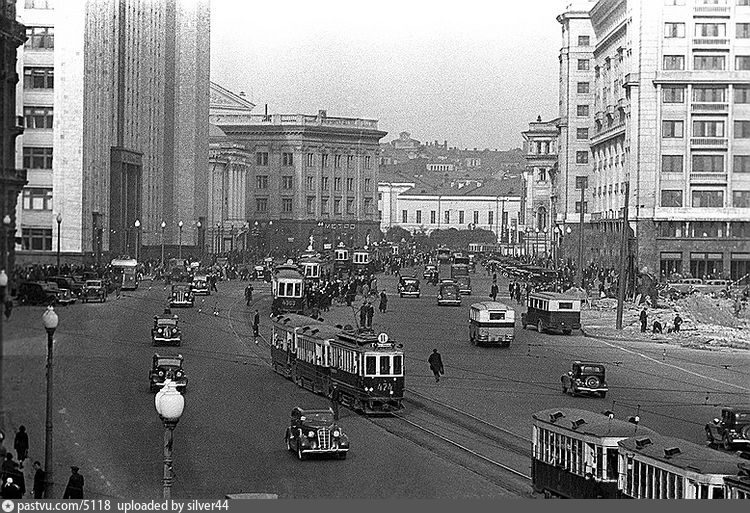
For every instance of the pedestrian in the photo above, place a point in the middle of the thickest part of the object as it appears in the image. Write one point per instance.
(369, 313)
(8, 308)
(74, 490)
(436, 364)
(363, 315)
(335, 399)
(249, 293)
(383, 302)
(8, 464)
(657, 328)
(644, 320)
(39, 478)
(677, 323)
(256, 325)
(493, 292)
(21, 445)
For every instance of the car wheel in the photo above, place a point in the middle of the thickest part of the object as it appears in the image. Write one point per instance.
(300, 454)
(564, 389)
(709, 437)
(726, 443)
(288, 441)
(540, 327)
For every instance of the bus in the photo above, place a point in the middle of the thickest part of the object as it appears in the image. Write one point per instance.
(125, 271)
(443, 254)
(492, 323)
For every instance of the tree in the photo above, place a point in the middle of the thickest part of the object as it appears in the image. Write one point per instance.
(396, 233)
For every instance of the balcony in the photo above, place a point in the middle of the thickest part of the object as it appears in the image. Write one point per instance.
(709, 142)
(711, 10)
(710, 108)
(708, 178)
(711, 42)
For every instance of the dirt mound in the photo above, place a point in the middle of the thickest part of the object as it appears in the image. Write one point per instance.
(702, 309)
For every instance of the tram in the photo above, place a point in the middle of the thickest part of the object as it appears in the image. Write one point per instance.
(314, 268)
(288, 288)
(443, 255)
(367, 369)
(738, 487)
(362, 262)
(342, 260)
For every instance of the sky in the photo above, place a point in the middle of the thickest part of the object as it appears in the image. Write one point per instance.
(472, 72)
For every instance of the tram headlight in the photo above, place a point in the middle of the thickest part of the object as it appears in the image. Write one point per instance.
(336, 433)
(310, 434)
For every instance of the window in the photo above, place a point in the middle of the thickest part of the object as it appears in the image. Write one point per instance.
(324, 160)
(582, 133)
(671, 163)
(674, 30)
(261, 182)
(349, 161)
(40, 38)
(368, 184)
(433, 217)
(745, 3)
(585, 207)
(404, 216)
(741, 164)
(673, 94)
(447, 215)
(310, 183)
(672, 129)
(741, 94)
(261, 158)
(261, 204)
(337, 206)
(368, 162)
(710, 30)
(674, 62)
(39, 4)
(324, 183)
(368, 206)
(584, 40)
(674, 2)
(311, 204)
(324, 206)
(286, 205)
(709, 62)
(582, 157)
(742, 129)
(460, 217)
(287, 159)
(38, 78)
(286, 182)
(38, 117)
(671, 198)
(741, 199)
(582, 110)
(349, 184)
(310, 160)
(37, 199)
(543, 173)
(490, 218)
(743, 31)
(37, 158)
(670, 229)
(349, 205)
(709, 94)
(742, 63)
(583, 87)
(336, 183)
(583, 64)
(476, 217)
(708, 198)
(418, 216)
(337, 161)
(708, 129)
(708, 163)
(39, 239)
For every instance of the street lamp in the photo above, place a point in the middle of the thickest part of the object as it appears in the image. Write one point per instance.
(536, 242)
(199, 225)
(6, 245)
(179, 251)
(3, 285)
(49, 320)
(137, 237)
(163, 225)
(59, 221)
(169, 405)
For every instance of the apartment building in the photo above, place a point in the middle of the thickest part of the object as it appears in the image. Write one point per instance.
(669, 101)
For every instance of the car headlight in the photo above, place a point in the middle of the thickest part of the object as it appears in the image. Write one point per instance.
(310, 434)
(179, 374)
(160, 331)
(336, 433)
(161, 373)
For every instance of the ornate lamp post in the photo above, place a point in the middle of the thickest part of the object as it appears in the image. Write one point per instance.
(163, 225)
(536, 242)
(5, 241)
(59, 222)
(199, 238)
(246, 228)
(547, 245)
(169, 405)
(49, 320)
(137, 237)
(3, 286)
(179, 251)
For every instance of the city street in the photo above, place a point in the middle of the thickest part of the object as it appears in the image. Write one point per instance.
(230, 438)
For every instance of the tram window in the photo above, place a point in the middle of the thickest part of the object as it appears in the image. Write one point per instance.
(703, 491)
(297, 290)
(385, 365)
(612, 464)
(565, 306)
(397, 365)
(497, 316)
(370, 365)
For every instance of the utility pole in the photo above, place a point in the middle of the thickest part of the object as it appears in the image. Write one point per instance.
(624, 246)
(581, 183)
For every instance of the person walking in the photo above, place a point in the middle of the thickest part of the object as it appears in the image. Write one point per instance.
(363, 315)
(370, 311)
(21, 445)
(249, 293)
(493, 292)
(74, 489)
(335, 399)
(644, 320)
(39, 478)
(436, 364)
(256, 325)
(383, 306)
(677, 323)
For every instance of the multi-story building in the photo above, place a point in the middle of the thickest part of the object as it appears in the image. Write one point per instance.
(306, 176)
(537, 202)
(671, 124)
(12, 177)
(127, 148)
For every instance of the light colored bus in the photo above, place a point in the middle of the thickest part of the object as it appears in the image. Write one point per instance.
(126, 272)
(492, 323)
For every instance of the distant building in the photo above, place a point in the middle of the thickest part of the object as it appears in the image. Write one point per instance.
(405, 142)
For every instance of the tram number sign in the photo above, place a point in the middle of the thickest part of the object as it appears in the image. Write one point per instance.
(383, 338)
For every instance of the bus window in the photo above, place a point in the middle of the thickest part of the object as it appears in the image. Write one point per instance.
(370, 365)
(385, 365)
(397, 365)
(565, 306)
(497, 316)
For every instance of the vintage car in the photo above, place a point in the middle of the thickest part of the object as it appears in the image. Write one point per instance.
(585, 378)
(63, 296)
(36, 293)
(165, 330)
(408, 287)
(448, 293)
(713, 286)
(181, 295)
(200, 285)
(259, 272)
(429, 270)
(731, 430)
(315, 432)
(687, 285)
(464, 284)
(68, 282)
(165, 367)
(94, 290)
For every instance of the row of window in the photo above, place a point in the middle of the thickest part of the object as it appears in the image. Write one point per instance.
(677, 30)
(700, 229)
(705, 94)
(40, 38)
(447, 217)
(287, 159)
(38, 78)
(287, 183)
(673, 198)
(745, 3)
(674, 129)
(706, 62)
(35, 198)
(325, 204)
(37, 158)
(38, 117)
(704, 164)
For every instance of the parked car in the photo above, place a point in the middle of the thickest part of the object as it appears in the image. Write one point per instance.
(713, 286)
(585, 378)
(731, 430)
(165, 330)
(36, 293)
(68, 282)
(94, 290)
(315, 432)
(165, 367)
(63, 296)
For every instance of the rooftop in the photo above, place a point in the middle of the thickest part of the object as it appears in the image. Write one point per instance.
(292, 119)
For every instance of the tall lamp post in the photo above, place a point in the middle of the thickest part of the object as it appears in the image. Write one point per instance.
(3, 286)
(536, 242)
(199, 239)
(179, 251)
(59, 222)
(163, 225)
(137, 237)
(49, 320)
(169, 405)
(6, 243)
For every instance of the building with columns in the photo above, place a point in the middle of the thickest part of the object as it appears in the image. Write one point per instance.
(667, 90)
